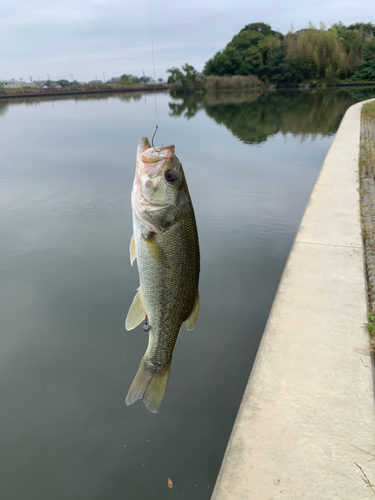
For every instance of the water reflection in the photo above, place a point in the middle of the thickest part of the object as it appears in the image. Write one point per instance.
(3, 109)
(66, 174)
(253, 117)
(100, 96)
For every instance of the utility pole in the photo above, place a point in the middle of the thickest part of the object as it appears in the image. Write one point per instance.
(48, 76)
(31, 80)
(103, 77)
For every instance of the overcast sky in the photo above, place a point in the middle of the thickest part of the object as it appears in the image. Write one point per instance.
(85, 38)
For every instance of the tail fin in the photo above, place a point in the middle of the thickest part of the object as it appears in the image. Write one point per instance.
(149, 384)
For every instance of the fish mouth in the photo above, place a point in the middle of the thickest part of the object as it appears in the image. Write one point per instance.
(152, 160)
(154, 155)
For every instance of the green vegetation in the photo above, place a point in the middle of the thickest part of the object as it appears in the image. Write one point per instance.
(185, 81)
(370, 327)
(64, 83)
(133, 80)
(367, 172)
(365, 71)
(253, 51)
(236, 82)
(309, 54)
(312, 56)
(368, 112)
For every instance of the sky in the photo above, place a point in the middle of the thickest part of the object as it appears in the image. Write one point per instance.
(88, 39)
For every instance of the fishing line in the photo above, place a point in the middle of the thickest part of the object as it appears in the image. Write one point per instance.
(153, 66)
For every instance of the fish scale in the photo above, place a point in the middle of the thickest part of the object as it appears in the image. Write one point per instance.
(168, 286)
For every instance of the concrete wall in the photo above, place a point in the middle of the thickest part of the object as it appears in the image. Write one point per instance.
(307, 415)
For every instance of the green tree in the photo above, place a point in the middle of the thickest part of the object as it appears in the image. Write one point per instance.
(365, 71)
(248, 53)
(129, 79)
(186, 80)
(308, 54)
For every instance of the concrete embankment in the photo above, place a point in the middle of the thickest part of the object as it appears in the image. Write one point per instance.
(306, 425)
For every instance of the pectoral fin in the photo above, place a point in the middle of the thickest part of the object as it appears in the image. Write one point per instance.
(136, 312)
(192, 319)
(154, 247)
(132, 250)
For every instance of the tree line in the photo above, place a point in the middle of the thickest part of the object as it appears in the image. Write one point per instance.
(307, 55)
(337, 53)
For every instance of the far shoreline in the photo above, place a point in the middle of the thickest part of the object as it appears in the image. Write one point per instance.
(85, 90)
(24, 92)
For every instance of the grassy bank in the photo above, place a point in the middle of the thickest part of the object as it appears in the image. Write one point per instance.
(367, 183)
(80, 89)
(238, 82)
(251, 82)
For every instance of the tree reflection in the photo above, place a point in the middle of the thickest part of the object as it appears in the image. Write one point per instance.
(188, 107)
(3, 109)
(253, 117)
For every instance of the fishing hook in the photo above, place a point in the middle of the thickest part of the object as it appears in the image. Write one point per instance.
(152, 140)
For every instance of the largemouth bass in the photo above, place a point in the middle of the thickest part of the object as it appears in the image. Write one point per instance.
(165, 244)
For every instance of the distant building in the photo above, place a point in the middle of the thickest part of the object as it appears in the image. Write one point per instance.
(46, 84)
(28, 84)
(14, 84)
(115, 79)
(10, 84)
(96, 81)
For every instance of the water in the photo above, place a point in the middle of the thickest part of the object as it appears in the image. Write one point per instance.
(66, 283)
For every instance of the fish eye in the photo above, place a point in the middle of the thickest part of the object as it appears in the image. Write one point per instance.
(170, 176)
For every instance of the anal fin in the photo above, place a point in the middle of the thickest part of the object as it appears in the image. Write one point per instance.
(136, 312)
(192, 319)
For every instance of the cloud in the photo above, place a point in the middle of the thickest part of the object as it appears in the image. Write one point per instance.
(93, 36)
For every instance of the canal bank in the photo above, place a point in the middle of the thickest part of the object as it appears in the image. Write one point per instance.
(81, 90)
(306, 425)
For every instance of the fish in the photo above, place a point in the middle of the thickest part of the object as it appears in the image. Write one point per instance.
(166, 247)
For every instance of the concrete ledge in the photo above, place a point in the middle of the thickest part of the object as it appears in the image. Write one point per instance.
(308, 410)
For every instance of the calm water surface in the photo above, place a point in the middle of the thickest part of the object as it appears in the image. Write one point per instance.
(66, 171)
